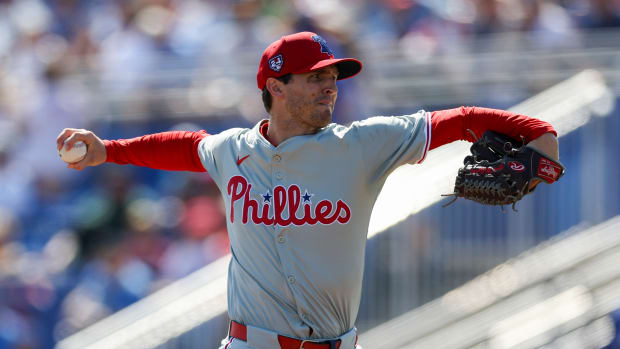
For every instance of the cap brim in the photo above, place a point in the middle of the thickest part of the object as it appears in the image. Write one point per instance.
(347, 67)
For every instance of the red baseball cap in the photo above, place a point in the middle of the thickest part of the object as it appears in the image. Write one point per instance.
(302, 53)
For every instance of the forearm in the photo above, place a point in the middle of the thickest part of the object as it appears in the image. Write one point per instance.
(454, 124)
(175, 150)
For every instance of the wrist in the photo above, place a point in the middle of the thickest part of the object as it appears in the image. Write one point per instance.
(546, 144)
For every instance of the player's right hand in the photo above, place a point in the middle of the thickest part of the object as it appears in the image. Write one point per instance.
(95, 154)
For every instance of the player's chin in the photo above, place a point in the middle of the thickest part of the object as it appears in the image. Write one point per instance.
(323, 118)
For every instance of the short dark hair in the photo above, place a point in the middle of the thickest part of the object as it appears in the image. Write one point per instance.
(267, 95)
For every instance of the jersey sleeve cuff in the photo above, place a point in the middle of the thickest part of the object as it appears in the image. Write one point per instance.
(427, 133)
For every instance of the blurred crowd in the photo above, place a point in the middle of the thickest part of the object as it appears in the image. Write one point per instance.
(75, 247)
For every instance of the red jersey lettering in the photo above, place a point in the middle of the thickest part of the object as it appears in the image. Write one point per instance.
(286, 204)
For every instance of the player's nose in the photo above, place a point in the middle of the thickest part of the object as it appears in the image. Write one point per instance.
(331, 88)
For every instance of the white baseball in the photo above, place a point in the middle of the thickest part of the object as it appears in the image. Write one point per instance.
(77, 153)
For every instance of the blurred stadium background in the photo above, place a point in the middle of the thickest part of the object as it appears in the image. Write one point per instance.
(129, 257)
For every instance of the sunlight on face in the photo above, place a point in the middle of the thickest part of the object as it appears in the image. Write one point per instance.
(311, 97)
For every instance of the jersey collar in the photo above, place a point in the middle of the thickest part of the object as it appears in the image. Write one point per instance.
(262, 129)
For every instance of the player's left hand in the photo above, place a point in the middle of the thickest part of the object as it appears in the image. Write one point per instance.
(501, 170)
(548, 145)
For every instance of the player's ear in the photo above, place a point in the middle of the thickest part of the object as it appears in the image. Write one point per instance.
(274, 86)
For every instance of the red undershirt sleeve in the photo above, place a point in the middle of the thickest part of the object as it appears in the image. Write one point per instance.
(452, 124)
(174, 150)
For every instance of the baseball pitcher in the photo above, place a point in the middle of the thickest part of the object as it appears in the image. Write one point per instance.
(299, 189)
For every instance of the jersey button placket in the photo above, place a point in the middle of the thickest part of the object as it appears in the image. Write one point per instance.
(278, 177)
(276, 167)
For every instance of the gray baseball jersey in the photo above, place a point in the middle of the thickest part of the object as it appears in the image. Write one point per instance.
(298, 217)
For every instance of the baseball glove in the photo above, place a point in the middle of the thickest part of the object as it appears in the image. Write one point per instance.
(499, 171)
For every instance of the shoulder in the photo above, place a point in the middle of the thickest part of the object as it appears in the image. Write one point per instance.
(396, 123)
(229, 135)
(225, 142)
(233, 133)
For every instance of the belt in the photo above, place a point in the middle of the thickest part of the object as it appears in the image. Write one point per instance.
(239, 331)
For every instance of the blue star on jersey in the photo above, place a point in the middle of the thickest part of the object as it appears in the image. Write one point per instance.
(307, 196)
(266, 197)
(323, 43)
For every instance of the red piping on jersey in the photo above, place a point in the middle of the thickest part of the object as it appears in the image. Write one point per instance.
(264, 127)
(428, 132)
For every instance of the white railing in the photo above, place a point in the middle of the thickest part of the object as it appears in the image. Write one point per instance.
(543, 296)
(165, 314)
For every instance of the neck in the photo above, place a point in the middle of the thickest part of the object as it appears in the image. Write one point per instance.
(282, 128)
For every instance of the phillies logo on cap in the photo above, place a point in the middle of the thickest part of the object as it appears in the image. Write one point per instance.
(275, 63)
(305, 52)
(323, 43)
